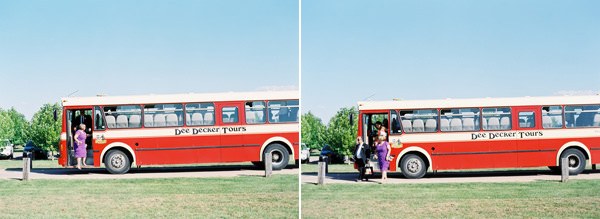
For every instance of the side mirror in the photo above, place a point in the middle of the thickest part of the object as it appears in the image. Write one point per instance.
(350, 118)
(55, 115)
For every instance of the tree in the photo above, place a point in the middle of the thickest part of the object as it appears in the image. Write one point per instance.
(44, 130)
(341, 133)
(6, 125)
(19, 126)
(313, 131)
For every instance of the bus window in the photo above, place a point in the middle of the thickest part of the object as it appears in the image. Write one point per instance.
(395, 123)
(462, 119)
(199, 114)
(255, 112)
(126, 116)
(163, 115)
(527, 119)
(552, 117)
(98, 119)
(283, 111)
(415, 121)
(583, 116)
(230, 114)
(496, 119)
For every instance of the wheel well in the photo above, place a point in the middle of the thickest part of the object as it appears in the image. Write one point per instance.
(122, 149)
(287, 147)
(421, 155)
(587, 157)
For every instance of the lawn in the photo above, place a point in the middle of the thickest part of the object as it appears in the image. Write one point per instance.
(247, 197)
(577, 198)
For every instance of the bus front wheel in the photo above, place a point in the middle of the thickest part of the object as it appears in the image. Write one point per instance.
(413, 166)
(575, 160)
(280, 156)
(117, 162)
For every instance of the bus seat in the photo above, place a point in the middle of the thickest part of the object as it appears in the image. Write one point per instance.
(407, 125)
(172, 120)
(159, 120)
(546, 121)
(134, 121)
(250, 117)
(226, 118)
(484, 123)
(418, 125)
(197, 119)
(110, 121)
(209, 118)
(468, 124)
(456, 124)
(430, 125)
(596, 120)
(444, 125)
(283, 114)
(505, 123)
(260, 116)
(493, 123)
(122, 121)
(148, 120)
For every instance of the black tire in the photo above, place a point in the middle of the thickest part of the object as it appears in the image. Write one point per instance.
(117, 162)
(413, 166)
(281, 156)
(575, 159)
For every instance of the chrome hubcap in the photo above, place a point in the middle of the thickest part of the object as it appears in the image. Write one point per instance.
(413, 165)
(277, 157)
(117, 161)
(573, 162)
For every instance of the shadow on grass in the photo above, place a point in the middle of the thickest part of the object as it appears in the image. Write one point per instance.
(446, 174)
(150, 169)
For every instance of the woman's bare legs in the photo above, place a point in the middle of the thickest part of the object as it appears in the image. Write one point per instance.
(383, 176)
(84, 164)
(79, 163)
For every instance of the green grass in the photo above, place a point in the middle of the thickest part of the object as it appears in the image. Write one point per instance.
(5, 164)
(577, 198)
(333, 168)
(246, 197)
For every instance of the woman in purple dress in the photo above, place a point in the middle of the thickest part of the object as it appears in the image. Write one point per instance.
(383, 155)
(80, 147)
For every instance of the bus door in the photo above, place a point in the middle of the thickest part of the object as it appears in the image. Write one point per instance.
(370, 124)
(76, 117)
(528, 122)
(229, 119)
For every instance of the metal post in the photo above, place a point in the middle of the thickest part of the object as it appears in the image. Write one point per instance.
(26, 168)
(268, 164)
(564, 170)
(321, 172)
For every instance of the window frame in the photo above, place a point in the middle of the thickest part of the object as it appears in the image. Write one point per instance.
(144, 113)
(185, 114)
(288, 122)
(510, 117)
(437, 120)
(577, 127)
(265, 117)
(476, 130)
(117, 105)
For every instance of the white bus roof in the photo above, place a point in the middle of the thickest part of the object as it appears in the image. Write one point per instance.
(180, 98)
(478, 102)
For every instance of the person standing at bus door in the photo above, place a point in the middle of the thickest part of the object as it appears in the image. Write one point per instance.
(383, 150)
(80, 146)
(361, 157)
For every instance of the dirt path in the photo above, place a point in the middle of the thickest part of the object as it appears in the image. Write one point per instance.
(135, 173)
(455, 177)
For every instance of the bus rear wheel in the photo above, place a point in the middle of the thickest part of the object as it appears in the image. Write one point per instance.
(413, 166)
(575, 160)
(280, 156)
(117, 162)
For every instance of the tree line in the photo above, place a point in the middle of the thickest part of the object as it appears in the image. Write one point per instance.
(42, 130)
(339, 133)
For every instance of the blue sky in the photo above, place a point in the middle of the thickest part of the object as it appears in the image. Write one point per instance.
(446, 49)
(49, 49)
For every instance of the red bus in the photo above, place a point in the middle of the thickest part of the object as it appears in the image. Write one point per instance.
(183, 129)
(487, 132)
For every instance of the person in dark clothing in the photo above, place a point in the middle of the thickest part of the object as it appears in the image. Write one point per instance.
(361, 153)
